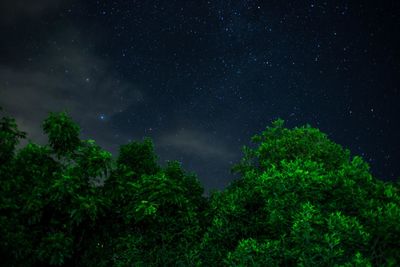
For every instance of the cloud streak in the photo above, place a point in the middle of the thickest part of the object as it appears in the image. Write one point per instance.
(197, 143)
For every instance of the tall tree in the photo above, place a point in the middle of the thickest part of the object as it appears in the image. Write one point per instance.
(302, 201)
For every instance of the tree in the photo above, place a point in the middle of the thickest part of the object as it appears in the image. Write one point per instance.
(13, 241)
(159, 216)
(52, 207)
(9, 138)
(302, 201)
(139, 157)
(62, 132)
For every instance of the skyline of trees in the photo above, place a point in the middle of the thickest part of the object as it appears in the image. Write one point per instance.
(300, 200)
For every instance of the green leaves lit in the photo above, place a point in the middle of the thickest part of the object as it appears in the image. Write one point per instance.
(302, 201)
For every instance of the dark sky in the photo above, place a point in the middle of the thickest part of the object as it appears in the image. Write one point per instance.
(201, 77)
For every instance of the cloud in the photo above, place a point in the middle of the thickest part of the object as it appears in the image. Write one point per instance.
(197, 143)
(15, 10)
(67, 77)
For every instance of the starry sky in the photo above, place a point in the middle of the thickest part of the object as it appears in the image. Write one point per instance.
(201, 77)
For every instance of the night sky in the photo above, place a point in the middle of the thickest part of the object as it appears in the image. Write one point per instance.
(201, 77)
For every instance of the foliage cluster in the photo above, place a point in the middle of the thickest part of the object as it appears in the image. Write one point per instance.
(301, 200)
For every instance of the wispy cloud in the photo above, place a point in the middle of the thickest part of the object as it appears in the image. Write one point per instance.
(197, 143)
(70, 78)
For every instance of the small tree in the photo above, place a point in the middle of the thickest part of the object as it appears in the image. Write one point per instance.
(52, 208)
(62, 132)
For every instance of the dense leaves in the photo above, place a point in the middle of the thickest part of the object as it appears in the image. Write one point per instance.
(139, 157)
(62, 132)
(301, 200)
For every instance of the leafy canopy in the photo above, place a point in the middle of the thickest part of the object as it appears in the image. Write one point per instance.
(300, 200)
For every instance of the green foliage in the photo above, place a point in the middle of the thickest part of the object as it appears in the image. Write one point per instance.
(62, 132)
(164, 215)
(139, 157)
(250, 253)
(277, 143)
(316, 208)
(301, 200)
(9, 138)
